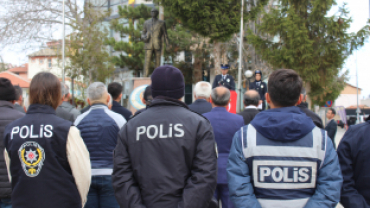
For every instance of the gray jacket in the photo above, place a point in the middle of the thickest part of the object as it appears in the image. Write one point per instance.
(19, 108)
(8, 114)
(66, 106)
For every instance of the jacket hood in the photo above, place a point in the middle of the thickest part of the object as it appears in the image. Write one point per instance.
(283, 124)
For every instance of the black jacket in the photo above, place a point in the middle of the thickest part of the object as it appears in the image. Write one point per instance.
(262, 89)
(315, 118)
(228, 82)
(331, 128)
(353, 152)
(248, 115)
(201, 106)
(118, 108)
(165, 157)
(8, 114)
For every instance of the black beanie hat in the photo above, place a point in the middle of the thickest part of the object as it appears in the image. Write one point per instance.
(168, 81)
(7, 91)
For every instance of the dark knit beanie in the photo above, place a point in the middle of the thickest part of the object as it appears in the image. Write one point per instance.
(7, 91)
(168, 81)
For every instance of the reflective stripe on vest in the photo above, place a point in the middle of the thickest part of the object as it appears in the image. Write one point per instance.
(268, 203)
(273, 169)
(252, 150)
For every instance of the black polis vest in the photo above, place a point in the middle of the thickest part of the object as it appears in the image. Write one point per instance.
(41, 175)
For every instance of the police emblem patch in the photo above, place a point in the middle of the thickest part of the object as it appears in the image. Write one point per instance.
(32, 157)
(228, 80)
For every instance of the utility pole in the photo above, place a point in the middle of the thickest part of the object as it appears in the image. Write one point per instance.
(240, 59)
(63, 46)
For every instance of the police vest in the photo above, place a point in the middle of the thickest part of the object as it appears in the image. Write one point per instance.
(284, 174)
(41, 175)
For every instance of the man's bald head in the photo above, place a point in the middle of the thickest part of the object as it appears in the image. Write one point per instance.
(220, 96)
(251, 97)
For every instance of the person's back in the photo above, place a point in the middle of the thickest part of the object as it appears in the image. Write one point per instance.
(202, 93)
(224, 126)
(47, 158)
(353, 152)
(165, 156)
(289, 161)
(99, 128)
(8, 113)
(251, 101)
(115, 89)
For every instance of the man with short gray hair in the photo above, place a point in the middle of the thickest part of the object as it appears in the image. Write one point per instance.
(66, 105)
(224, 125)
(251, 101)
(202, 93)
(99, 128)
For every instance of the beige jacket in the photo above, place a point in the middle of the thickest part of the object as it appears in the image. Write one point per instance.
(79, 161)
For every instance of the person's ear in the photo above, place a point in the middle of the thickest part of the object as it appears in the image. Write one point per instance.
(300, 99)
(108, 98)
(88, 101)
(210, 100)
(268, 99)
(120, 96)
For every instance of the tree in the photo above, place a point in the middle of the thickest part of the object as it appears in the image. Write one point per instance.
(300, 35)
(217, 20)
(131, 53)
(86, 50)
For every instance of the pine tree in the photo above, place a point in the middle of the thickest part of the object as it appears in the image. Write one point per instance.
(132, 52)
(300, 35)
(217, 20)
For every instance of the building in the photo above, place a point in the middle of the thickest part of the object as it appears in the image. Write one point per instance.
(22, 70)
(46, 59)
(348, 96)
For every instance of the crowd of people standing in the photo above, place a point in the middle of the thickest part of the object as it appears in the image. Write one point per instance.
(170, 154)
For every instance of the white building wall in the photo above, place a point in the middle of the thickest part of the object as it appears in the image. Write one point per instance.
(41, 64)
(346, 100)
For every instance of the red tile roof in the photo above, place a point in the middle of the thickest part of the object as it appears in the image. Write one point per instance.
(20, 69)
(16, 79)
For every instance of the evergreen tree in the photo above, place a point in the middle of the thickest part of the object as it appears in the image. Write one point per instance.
(132, 52)
(217, 20)
(300, 35)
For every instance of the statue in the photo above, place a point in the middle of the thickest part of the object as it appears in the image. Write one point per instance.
(153, 32)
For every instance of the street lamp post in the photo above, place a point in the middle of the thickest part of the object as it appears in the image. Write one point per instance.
(238, 108)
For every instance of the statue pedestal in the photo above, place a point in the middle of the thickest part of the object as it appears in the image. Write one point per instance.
(139, 86)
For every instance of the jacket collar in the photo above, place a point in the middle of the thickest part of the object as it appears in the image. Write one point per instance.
(98, 105)
(7, 104)
(162, 100)
(201, 101)
(303, 105)
(115, 103)
(38, 108)
(219, 109)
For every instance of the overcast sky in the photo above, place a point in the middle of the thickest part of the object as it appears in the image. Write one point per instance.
(359, 11)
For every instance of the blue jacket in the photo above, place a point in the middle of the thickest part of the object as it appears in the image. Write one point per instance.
(291, 129)
(201, 106)
(224, 125)
(99, 128)
(354, 154)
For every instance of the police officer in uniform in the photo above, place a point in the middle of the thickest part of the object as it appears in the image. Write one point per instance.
(224, 79)
(49, 162)
(259, 86)
(165, 156)
(281, 159)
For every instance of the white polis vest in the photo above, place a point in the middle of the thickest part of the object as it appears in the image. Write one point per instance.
(279, 167)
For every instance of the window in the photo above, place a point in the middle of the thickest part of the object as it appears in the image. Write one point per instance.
(41, 60)
(49, 63)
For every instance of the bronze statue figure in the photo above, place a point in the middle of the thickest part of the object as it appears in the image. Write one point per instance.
(153, 32)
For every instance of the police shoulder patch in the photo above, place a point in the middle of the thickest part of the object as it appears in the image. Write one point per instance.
(32, 157)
